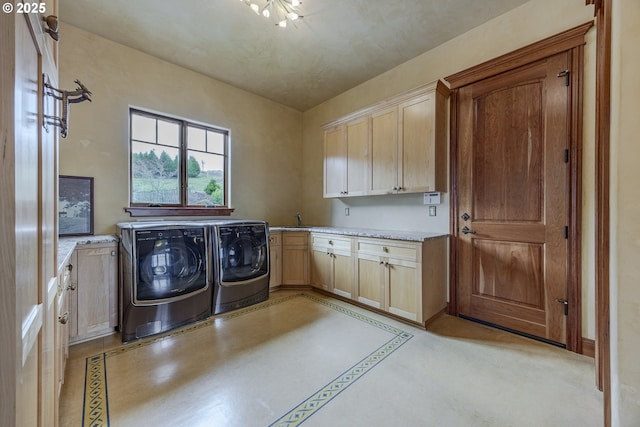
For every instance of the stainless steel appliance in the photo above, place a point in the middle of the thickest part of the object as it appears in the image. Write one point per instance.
(241, 251)
(165, 277)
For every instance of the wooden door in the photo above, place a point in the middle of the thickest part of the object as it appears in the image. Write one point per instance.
(320, 268)
(402, 282)
(384, 153)
(513, 197)
(335, 165)
(416, 145)
(356, 152)
(343, 273)
(370, 281)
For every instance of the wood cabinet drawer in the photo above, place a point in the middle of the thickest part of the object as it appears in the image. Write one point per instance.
(295, 238)
(331, 241)
(391, 249)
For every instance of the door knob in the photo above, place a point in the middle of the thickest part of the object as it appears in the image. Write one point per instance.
(467, 230)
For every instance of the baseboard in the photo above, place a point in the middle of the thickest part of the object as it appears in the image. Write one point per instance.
(588, 347)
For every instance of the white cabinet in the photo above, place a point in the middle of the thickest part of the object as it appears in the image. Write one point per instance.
(345, 158)
(332, 263)
(93, 299)
(275, 259)
(405, 150)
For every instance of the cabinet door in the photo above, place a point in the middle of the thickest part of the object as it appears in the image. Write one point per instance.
(275, 260)
(370, 281)
(96, 291)
(403, 289)
(343, 274)
(335, 162)
(61, 340)
(384, 161)
(295, 258)
(357, 146)
(416, 145)
(320, 268)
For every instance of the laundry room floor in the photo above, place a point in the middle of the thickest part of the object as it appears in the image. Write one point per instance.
(302, 357)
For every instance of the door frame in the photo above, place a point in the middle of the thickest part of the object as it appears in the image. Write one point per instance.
(572, 41)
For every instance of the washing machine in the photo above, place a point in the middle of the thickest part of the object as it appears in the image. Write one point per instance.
(240, 251)
(166, 277)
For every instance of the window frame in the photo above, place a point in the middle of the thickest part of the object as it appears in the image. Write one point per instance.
(182, 208)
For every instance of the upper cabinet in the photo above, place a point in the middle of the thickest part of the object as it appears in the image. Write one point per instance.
(345, 158)
(396, 146)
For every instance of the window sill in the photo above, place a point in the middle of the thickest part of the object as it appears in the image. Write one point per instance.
(178, 211)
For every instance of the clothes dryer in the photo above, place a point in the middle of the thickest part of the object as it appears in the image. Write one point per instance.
(241, 255)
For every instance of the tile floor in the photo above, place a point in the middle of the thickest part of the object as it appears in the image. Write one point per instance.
(302, 357)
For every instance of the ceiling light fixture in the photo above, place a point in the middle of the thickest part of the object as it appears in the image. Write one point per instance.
(282, 11)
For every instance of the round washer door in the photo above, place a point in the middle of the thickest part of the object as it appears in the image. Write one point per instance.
(244, 257)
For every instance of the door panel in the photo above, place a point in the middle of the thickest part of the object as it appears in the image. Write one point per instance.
(370, 281)
(513, 116)
(343, 273)
(334, 162)
(384, 162)
(357, 146)
(513, 181)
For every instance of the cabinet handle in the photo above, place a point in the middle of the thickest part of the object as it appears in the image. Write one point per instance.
(331, 242)
(385, 249)
(71, 287)
(381, 262)
(64, 318)
(69, 267)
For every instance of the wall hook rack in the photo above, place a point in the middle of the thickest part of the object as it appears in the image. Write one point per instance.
(80, 94)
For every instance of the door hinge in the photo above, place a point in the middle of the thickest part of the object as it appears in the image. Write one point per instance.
(566, 305)
(566, 231)
(566, 156)
(566, 74)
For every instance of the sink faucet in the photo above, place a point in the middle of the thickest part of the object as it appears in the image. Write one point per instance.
(299, 218)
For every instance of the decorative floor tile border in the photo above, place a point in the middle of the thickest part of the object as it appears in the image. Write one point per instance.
(95, 408)
(96, 402)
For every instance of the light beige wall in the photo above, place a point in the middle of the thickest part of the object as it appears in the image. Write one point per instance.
(265, 136)
(625, 211)
(527, 24)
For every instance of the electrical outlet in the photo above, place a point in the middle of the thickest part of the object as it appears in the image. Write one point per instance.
(432, 211)
(346, 211)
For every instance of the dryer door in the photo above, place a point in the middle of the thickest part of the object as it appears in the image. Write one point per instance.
(244, 254)
(172, 265)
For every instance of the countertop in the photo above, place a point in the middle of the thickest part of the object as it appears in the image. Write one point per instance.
(414, 236)
(66, 245)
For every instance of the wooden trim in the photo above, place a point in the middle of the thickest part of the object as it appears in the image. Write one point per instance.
(562, 42)
(436, 86)
(167, 211)
(574, 293)
(602, 219)
(453, 202)
(588, 347)
(572, 40)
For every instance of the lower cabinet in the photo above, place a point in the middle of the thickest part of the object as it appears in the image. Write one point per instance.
(332, 263)
(61, 328)
(275, 259)
(407, 279)
(295, 258)
(93, 296)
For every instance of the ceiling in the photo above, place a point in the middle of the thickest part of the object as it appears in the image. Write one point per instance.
(338, 45)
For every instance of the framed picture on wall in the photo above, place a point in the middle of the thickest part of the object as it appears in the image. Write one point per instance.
(75, 205)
